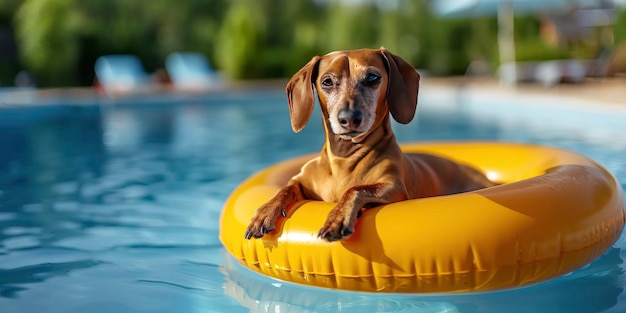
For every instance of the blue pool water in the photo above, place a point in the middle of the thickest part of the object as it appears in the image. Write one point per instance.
(114, 207)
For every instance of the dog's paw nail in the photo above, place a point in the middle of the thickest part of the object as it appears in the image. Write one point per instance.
(248, 234)
(265, 230)
(346, 232)
(334, 238)
(322, 234)
(326, 235)
(283, 213)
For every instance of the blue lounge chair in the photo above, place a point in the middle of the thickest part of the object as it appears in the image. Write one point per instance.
(121, 73)
(191, 71)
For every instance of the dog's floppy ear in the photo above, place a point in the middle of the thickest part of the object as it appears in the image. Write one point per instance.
(300, 94)
(402, 87)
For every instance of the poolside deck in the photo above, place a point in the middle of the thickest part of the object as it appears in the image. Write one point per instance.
(608, 91)
(611, 91)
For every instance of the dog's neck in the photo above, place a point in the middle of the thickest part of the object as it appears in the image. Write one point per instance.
(335, 147)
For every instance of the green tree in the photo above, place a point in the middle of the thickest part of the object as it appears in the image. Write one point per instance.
(296, 27)
(8, 56)
(240, 38)
(47, 36)
(401, 29)
(619, 29)
(153, 29)
(350, 26)
(7, 9)
(59, 39)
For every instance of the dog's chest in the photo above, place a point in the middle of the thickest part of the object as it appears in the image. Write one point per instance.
(332, 190)
(320, 183)
(331, 185)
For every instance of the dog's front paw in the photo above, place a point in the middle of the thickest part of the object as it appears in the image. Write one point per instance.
(339, 225)
(263, 222)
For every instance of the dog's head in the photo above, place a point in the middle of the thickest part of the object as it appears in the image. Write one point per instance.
(357, 90)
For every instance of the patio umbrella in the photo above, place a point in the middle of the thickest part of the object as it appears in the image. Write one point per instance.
(505, 11)
(490, 7)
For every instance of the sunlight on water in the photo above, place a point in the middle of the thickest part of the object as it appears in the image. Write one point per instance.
(118, 210)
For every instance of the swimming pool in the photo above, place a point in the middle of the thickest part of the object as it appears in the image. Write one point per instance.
(113, 206)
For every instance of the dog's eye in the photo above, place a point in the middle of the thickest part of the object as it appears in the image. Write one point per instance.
(372, 79)
(327, 82)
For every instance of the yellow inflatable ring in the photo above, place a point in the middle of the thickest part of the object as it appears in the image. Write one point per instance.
(555, 211)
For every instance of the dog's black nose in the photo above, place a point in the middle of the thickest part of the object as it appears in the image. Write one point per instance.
(349, 118)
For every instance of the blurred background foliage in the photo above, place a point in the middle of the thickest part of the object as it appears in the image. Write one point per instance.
(58, 41)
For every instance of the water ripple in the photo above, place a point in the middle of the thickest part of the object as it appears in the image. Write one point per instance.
(168, 284)
(12, 280)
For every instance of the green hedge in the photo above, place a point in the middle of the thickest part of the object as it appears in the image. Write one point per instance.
(59, 40)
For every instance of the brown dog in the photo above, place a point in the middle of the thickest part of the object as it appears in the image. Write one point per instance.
(360, 165)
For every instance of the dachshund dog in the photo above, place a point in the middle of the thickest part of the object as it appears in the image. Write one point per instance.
(360, 165)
